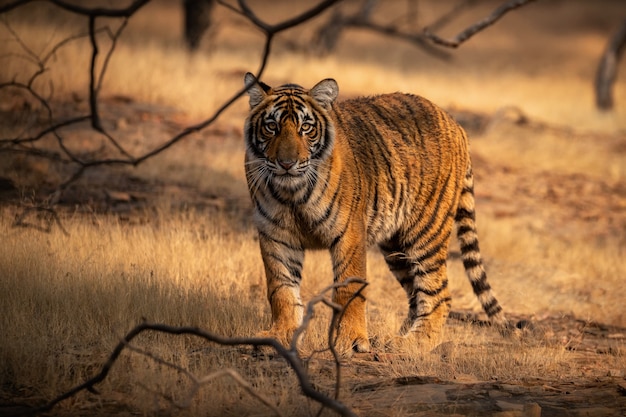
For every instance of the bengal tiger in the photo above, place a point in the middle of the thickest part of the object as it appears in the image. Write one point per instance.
(392, 170)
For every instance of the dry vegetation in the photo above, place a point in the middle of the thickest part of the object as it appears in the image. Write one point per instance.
(171, 241)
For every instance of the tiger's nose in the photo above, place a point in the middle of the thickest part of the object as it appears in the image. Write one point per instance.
(286, 164)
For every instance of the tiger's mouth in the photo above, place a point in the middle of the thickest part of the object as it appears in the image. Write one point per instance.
(292, 178)
(288, 178)
(291, 169)
(289, 173)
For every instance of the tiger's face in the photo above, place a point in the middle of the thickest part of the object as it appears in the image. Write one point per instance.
(288, 133)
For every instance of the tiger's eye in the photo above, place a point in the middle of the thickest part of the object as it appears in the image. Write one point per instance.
(271, 126)
(306, 128)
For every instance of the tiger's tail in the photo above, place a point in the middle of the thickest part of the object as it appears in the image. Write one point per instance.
(470, 253)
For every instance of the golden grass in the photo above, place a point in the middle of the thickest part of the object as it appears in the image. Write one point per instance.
(66, 300)
(150, 64)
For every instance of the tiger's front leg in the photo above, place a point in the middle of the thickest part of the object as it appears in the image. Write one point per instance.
(283, 272)
(349, 261)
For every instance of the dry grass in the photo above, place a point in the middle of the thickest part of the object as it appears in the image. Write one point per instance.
(548, 83)
(66, 300)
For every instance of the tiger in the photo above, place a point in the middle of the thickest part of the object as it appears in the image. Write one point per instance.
(391, 170)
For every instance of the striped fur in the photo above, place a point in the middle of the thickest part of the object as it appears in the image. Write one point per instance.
(391, 170)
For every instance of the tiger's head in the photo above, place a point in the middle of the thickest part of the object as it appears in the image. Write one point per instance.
(288, 132)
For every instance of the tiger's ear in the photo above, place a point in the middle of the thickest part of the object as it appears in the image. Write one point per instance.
(325, 92)
(257, 90)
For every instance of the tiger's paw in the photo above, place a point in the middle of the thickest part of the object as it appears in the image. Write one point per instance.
(350, 342)
(282, 335)
(411, 343)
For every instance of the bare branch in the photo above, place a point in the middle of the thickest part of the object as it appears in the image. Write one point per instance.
(287, 24)
(289, 355)
(328, 35)
(93, 94)
(33, 93)
(44, 132)
(95, 81)
(114, 36)
(478, 26)
(49, 218)
(394, 32)
(30, 55)
(85, 11)
(446, 18)
(198, 382)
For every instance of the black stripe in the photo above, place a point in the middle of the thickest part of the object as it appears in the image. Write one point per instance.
(343, 264)
(329, 209)
(365, 128)
(396, 263)
(339, 236)
(426, 228)
(470, 263)
(423, 230)
(480, 285)
(416, 272)
(429, 253)
(445, 300)
(462, 213)
(293, 266)
(273, 293)
(354, 247)
(280, 242)
(492, 308)
(335, 241)
(432, 268)
(470, 247)
(409, 102)
(262, 212)
(383, 115)
(276, 195)
(461, 230)
(432, 293)
(324, 141)
(306, 192)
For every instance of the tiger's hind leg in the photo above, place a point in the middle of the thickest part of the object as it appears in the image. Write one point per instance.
(423, 275)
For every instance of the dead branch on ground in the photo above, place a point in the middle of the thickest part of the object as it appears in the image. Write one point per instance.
(289, 354)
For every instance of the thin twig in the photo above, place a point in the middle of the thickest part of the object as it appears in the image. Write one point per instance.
(51, 217)
(446, 18)
(198, 382)
(85, 11)
(45, 131)
(93, 13)
(114, 36)
(290, 356)
(466, 34)
(33, 93)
